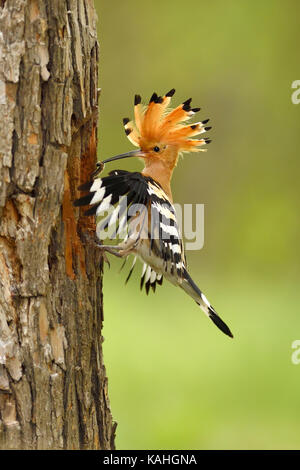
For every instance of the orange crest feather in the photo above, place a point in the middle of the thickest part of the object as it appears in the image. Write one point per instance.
(155, 124)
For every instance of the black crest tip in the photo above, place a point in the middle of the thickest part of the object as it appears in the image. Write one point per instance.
(170, 93)
(188, 102)
(196, 110)
(153, 97)
(126, 121)
(207, 128)
(186, 105)
(205, 121)
(127, 131)
(137, 100)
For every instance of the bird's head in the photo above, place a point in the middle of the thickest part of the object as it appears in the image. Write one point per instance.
(162, 134)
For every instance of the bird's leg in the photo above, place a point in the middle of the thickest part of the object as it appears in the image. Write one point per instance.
(114, 250)
(108, 249)
(118, 250)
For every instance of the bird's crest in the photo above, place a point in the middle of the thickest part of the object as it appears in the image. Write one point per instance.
(155, 123)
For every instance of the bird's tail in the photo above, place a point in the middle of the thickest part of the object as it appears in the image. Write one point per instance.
(193, 291)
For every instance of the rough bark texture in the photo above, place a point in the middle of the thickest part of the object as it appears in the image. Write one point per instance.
(53, 387)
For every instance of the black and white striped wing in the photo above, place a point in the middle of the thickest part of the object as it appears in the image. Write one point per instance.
(155, 229)
(114, 194)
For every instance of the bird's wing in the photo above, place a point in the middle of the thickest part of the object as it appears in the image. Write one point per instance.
(137, 202)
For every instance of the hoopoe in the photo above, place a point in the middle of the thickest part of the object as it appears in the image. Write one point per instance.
(144, 200)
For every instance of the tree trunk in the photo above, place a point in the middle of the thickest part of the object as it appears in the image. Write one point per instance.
(53, 387)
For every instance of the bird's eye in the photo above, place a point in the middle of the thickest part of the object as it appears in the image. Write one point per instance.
(156, 149)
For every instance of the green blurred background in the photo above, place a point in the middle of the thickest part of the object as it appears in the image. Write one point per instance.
(175, 381)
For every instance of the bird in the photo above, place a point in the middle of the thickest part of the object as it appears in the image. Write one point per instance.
(139, 205)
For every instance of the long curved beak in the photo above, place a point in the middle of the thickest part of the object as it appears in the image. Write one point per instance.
(133, 153)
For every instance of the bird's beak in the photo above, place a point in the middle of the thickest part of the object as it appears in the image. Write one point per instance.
(133, 153)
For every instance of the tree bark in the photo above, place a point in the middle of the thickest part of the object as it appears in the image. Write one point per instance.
(53, 386)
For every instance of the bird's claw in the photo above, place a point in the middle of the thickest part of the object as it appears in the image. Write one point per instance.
(103, 252)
